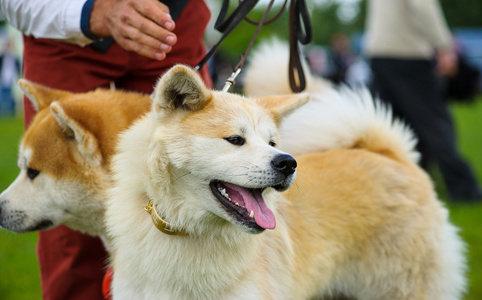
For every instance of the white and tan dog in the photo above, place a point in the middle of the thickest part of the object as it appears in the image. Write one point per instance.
(64, 159)
(360, 220)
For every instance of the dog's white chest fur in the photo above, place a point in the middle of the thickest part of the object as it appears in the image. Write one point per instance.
(361, 220)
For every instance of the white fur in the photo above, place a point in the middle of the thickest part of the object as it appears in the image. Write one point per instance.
(26, 204)
(184, 267)
(170, 161)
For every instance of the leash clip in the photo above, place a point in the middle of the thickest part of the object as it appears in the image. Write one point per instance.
(231, 80)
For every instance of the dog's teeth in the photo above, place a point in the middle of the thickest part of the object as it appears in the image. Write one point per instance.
(237, 203)
(223, 192)
(251, 214)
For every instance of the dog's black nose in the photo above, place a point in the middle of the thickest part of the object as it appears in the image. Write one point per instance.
(284, 163)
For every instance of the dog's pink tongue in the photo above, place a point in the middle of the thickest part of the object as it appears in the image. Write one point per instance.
(254, 202)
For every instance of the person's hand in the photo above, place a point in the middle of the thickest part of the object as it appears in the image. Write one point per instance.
(142, 26)
(447, 63)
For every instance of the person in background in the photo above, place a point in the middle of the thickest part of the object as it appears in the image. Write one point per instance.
(404, 38)
(9, 73)
(341, 56)
(80, 45)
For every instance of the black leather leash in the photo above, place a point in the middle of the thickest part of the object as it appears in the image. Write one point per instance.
(300, 31)
(231, 80)
(226, 25)
(299, 21)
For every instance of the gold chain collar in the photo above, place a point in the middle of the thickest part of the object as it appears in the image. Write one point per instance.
(160, 223)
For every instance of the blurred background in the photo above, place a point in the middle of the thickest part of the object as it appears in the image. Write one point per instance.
(335, 54)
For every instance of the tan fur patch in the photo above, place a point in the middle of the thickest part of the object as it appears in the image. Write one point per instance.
(102, 113)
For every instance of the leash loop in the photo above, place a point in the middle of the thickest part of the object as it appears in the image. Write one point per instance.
(299, 20)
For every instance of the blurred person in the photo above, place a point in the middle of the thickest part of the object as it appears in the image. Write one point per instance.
(9, 73)
(80, 45)
(463, 83)
(358, 73)
(318, 61)
(341, 56)
(404, 38)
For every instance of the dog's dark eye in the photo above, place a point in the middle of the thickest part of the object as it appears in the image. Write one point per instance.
(32, 173)
(272, 144)
(235, 140)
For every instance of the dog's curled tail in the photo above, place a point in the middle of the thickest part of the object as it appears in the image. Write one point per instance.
(380, 131)
(347, 118)
(335, 118)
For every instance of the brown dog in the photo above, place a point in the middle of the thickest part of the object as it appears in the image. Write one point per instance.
(65, 157)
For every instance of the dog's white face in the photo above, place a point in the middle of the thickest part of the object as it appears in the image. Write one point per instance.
(37, 200)
(52, 188)
(61, 180)
(20, 211)
(223, 146)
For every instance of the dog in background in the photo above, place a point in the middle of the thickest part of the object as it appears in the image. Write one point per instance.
(64, 158)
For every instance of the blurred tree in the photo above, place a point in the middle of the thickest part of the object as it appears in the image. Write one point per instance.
(465, 13)
(326, 20)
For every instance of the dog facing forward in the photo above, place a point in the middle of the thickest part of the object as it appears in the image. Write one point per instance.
(231, 216)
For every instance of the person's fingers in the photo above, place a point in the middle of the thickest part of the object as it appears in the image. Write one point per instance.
(142, 26)
(141, 49)
(149, 31)
(157, 12)
(139, 37)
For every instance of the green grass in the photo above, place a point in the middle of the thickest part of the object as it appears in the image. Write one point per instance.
(19, 270)
(468, 119)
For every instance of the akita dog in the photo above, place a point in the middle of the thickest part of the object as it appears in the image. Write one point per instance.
(226, 218)
(64, 158)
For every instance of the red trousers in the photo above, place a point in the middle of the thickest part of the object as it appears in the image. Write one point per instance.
(72, 264)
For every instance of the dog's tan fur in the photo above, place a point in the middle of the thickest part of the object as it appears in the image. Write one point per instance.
(361, 220)
(70, 142)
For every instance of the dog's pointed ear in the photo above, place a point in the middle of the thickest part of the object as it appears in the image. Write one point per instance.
(281, 106)
(41, 96)
(181, 88)
(86, 142)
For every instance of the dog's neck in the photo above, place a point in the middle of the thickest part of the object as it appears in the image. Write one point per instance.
(160, 223)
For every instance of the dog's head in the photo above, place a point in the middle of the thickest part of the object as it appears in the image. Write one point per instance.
(63, 159)
(222, 147)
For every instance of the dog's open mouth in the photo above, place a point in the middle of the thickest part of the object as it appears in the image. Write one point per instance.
(246, 204)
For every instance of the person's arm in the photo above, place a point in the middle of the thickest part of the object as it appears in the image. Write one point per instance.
(142, 26)
(430, 20)
(428, 17)
(53, 19)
